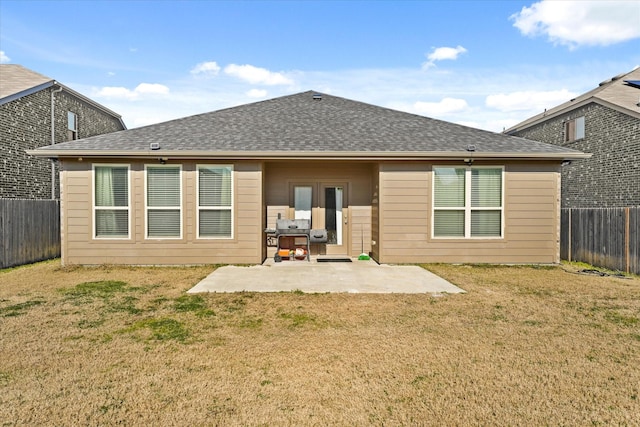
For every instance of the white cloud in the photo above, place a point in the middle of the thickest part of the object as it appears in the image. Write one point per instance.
(4, 58)
(115, 92)
(576, 23)
(151, 88)
(142, 89)
(443, 53)
(443, 107)
(528, 100)
(256, 93)
(257, 75)
(209, 69)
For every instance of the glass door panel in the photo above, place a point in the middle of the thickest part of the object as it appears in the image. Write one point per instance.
(302, 199)
(334, 211)
(333, 217)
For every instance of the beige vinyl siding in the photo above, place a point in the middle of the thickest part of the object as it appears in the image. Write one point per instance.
(81, 248)
(530, 214)
(360, 230)
(375, 212)
(388, 203)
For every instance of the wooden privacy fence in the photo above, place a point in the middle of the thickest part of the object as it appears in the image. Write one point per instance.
(29, 231)
(604, 237)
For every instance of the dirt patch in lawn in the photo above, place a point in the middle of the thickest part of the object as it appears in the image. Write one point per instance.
(120, 345)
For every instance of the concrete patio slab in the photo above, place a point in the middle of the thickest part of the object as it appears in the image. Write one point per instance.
(321, 277)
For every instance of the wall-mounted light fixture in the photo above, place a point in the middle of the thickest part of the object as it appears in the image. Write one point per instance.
(163, 160)
(468, 162)
(566, 163)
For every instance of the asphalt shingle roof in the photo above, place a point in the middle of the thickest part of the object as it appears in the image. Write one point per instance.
(302, 124)
(15, 78)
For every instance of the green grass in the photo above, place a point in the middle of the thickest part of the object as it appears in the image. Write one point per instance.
(5, 377)
(297, 320)
(163, 329)
(127, 304)
(18, 309)
(193, 303)
(102, 289)
(620, 319)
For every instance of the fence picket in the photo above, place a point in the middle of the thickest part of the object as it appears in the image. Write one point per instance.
(29, 231)
(604, 237)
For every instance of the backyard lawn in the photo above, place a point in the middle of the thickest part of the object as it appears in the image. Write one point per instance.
(120, 345)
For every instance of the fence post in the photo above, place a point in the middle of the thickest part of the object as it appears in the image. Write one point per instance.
(569, 236)
(626, 241)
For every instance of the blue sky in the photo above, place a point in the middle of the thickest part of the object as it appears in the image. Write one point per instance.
(487, 64)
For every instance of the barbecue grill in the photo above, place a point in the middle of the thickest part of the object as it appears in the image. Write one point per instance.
(296, 228)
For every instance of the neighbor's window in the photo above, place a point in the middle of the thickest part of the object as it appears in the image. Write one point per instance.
(72, 126)
(164, 201)
(215, 201)
(111, 201)
(574, 129)
(467, 202)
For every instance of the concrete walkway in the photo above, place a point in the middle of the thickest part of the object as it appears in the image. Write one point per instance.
(321, 277)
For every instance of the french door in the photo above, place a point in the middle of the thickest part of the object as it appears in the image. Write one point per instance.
(326, 205)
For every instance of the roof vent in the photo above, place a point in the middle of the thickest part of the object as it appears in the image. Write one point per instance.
(471, 148)
(154, 146)
(317, 96)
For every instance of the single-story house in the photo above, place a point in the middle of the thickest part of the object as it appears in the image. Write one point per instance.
(400, 187)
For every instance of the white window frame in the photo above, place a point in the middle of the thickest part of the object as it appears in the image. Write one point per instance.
(467, 204)
(213, 208)
(148, 208)
(97, 208)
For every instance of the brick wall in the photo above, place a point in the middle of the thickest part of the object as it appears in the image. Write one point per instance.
(25, 124)
(611, 178)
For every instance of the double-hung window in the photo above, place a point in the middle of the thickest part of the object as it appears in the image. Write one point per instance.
(164, 202)
(215, 201)
(468, 202)
(111, 201)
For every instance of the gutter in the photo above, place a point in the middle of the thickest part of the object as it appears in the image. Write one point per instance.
(306, 155)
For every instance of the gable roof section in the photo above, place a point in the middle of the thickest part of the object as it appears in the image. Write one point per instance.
(616, 93)
(307, 125)
(17, 81)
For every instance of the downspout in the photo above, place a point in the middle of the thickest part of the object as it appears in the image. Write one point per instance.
(53, 139)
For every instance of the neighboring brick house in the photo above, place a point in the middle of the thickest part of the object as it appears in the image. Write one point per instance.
(605, 122)
(28, 102)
